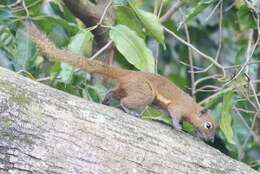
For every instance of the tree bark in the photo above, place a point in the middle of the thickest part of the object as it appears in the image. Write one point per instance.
(43, 130)
(90, 13)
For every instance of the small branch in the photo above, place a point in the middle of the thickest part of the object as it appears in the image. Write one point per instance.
(157, 49)
(26, 9)
(15, 3)
(192, 75)
(211, 59)
(104, 13)
(220, 4)
(174, 8)
(205, 78)
(240, 65)
(249, 51)
(101, 50)
(213, 11)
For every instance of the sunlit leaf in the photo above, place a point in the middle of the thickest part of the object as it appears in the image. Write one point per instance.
(66, 73)
(126, 16)
(226, 119)
(25, 52)
(47, 22)
(151, 24)
(245, 17)
(132, 47)
(81, 44)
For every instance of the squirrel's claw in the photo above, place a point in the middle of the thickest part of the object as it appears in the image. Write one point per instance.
(133, 113)
(176, 124)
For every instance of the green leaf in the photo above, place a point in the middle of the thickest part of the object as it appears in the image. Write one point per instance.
(136, 3)
(7, 40)
(126, 16)
(5, 60)
(55, 70)
(152, 113)
(25, 52)
(132, 47)
(81, 43)
(47, 23)
(5, 14)
(66, 73)
(245, 18)
(152, 24)
(59, 36)
(226, 119)
(201, 6)
(54, 8)
(120, 2)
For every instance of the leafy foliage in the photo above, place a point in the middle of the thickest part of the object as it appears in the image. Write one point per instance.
(225, 121)
(132, 47)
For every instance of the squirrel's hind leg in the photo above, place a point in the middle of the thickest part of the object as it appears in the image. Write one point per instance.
(139, 94)
(115, 93)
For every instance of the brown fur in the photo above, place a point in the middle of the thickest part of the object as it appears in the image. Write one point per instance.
(135, 89)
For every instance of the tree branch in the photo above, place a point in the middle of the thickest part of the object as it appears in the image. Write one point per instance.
(43, 130)
(91, 14)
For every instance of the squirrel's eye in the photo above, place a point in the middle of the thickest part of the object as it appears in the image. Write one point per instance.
(208, 125)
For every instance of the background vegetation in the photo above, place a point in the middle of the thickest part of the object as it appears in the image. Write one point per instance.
(209, 48)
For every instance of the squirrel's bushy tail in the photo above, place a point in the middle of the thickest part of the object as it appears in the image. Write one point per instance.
(52, 52)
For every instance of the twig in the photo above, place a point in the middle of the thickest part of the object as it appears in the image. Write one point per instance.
(104, 13)
(237, 110)
(188, 65)
(245, 110)
(251, 133)
(25, 8)
(220, 4)
(205, 78)
(157, 49)
(211, 59)
(213, 11)
(160, 9)
(15, 3)
(192, 75)
(249, 52)
(101, 50)
(16, 10)
(226, 90)
(204, 89)
(255, 95)
(174, 8)
(239, 65)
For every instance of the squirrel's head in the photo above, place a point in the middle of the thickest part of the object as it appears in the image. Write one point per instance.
(205, 124)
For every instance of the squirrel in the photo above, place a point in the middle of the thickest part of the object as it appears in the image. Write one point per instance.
(135, 89)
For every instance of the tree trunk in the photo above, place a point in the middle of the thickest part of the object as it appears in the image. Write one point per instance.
(43, 130)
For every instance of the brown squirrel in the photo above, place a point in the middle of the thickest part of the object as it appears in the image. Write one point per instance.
(135, 89)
